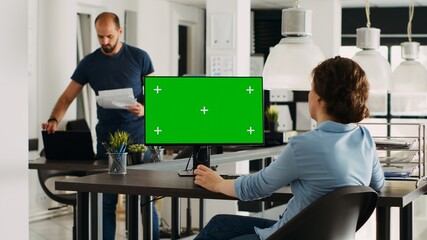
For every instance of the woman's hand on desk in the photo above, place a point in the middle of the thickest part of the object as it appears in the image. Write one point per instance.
(212, 181)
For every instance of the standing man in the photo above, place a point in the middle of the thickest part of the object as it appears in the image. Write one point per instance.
(114, 65)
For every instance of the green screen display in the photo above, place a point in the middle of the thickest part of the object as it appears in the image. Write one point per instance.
(203, 110)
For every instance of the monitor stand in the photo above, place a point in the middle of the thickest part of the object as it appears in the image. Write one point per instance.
(201, 155)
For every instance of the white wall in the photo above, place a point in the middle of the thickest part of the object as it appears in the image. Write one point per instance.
(14, 121)
(326, 30)
(219, 21)
(32, 68)
(56, 55)
(155, 33)
(158, 25)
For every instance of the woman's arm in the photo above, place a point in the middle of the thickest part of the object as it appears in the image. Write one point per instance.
(212, 181)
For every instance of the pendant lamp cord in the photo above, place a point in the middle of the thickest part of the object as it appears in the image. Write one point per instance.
(411, 16)
(368, 12)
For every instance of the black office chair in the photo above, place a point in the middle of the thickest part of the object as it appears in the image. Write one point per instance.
(335, 216)
(77, 125)
(45, 175)
(60, 197)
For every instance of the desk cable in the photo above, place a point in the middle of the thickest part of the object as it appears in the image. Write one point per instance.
(152, 200)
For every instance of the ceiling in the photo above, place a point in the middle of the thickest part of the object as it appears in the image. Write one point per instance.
(279, 4)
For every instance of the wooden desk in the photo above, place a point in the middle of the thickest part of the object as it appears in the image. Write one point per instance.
(400, 194)
(175, 165)
(72, 165)
(140, 182)
(395, 194)
(168, 183)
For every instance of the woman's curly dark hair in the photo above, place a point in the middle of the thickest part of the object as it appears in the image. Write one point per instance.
(342, 84)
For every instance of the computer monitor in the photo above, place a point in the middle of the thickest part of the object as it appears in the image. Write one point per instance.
(203, 111)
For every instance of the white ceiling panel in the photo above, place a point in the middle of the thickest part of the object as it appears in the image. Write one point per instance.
(279, 4)
(382, 3)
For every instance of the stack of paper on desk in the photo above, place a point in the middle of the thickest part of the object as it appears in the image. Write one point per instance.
(393, 143)
(116, 99)
(394, 171)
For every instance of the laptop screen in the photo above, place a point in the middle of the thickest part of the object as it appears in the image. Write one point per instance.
(68, 145)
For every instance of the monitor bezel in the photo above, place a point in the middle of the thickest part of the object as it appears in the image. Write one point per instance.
(207, 143)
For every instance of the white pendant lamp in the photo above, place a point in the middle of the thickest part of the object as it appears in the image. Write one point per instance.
(376, 67)
(409, 79)
(290, 62)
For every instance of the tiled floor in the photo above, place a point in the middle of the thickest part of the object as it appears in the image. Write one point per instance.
(61, 228)
(54, 228)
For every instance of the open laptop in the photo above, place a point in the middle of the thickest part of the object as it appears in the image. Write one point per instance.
(68, 145)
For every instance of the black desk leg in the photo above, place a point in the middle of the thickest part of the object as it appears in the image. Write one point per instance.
(94, 215)
(406, 222)
(175, 215)
(82, 215)
(201, 213)
(147, 219)
(383, 223)
(132, 213)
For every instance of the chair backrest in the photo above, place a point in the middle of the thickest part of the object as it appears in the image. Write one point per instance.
(65, 198)
(335, 216)
(77, 125)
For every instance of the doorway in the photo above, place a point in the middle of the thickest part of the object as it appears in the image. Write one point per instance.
(182, 50)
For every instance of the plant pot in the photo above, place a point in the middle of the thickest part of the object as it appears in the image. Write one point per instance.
(156, 154)
(272, 126)
(136, 157)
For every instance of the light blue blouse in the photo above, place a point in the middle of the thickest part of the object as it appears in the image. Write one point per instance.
(314, 163)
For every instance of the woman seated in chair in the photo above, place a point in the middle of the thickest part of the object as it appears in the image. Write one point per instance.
(337, 153)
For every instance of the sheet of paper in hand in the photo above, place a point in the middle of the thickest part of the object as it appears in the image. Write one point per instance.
(116, 98)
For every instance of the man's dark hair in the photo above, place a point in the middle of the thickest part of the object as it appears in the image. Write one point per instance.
(342, 84)
(109, 15)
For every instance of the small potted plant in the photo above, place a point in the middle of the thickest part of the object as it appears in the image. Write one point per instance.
(272, 115)
(136, 153)
(118, 141)
(116, 150)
